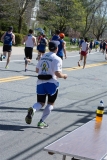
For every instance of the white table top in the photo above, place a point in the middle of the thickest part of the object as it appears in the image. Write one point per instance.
(86, 142)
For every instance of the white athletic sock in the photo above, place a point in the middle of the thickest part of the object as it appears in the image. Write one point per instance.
(36, 107)
(46, 111)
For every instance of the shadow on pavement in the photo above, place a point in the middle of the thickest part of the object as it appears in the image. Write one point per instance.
(5, 127)
(31, 147)
(7, 70)
(35, 148)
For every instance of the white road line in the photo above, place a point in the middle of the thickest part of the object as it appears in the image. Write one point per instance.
(15, 60)
(4, 61)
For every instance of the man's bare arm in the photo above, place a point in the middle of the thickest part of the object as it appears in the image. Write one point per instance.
(13, 39)
(60, 75)
(37, 70)
(64, 48)
(34, 41)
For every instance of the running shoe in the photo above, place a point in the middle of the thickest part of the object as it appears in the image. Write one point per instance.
(42, 125)
(3, 57)
(25, 70)
(6, 67)
(29, 116)
(78, 64)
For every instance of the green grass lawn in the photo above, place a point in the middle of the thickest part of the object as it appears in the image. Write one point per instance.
(71, 47)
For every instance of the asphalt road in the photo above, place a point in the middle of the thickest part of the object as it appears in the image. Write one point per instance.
(79, 96)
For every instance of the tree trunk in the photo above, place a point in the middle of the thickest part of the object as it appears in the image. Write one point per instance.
(20, 24)
(98, 37)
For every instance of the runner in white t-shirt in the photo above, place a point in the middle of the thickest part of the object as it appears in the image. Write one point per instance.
(30, 42)
(48, 68)
(84, 52)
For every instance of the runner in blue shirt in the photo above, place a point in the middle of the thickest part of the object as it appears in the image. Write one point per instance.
(42, 46)
(8, 38)
(61, 46)
(56, 35)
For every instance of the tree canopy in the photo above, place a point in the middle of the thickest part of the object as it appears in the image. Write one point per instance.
(88, 17)
(15, 12)
(60, 14)
(80, 15)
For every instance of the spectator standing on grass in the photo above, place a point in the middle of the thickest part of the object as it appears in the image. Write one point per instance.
(96, 45)
(104, 46)
(90, 46)
(80, 43)
(106, 51)
(101, 46)
(8, 38)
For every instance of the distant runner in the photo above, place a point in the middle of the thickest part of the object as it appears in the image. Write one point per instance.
(83, 54)
(101, 46)
(90, 46)
(8, 38)
(62, 46)
(42, 46)
(56, 35)
(30, 42)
